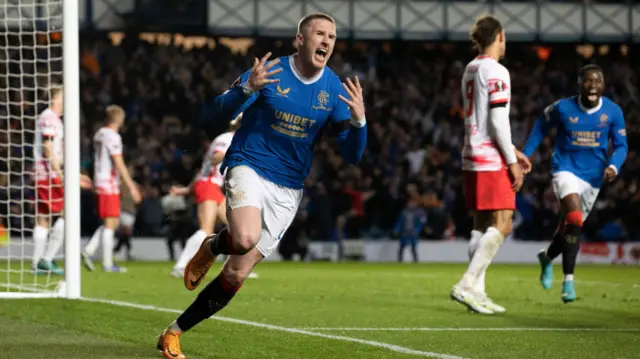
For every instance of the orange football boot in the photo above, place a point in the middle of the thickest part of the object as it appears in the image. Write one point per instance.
(169, 345)
(199, 265)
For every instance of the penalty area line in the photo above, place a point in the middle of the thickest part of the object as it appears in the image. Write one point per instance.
(499, 329)
(391, 347)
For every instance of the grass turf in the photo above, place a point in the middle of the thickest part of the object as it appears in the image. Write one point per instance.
(347, 300)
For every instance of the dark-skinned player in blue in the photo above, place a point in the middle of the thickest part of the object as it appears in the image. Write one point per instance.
(580, 164)
(287, 104)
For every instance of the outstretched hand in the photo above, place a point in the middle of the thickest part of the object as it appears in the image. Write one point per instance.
(355, 100)
(260, 74)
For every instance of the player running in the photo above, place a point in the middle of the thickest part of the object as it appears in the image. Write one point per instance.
(49, 181)
(109, 166)
(580, 163)
(269, 159)
(491, 164)
(208, 194)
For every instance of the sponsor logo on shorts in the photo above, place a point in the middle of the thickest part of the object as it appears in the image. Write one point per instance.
(236, 195)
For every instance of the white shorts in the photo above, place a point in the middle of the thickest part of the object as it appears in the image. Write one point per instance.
(566, 183)
(278, 204)
(127, 219)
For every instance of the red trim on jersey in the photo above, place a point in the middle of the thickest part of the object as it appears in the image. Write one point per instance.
(497, 102)
(483, 57)
(478, 159)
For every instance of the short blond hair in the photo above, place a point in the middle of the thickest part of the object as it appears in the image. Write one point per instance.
(113, 113)
(307, 19)
(54, 90)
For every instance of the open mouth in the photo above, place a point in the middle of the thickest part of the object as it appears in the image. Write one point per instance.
(592, 96)
(321, 54)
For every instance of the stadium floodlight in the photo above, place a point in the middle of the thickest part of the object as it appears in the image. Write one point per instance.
(32, 60)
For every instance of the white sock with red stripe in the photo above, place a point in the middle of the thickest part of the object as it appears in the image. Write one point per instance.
(40, 235)
(190, 249)
(55, 239)
(107, 248)
(92, 246)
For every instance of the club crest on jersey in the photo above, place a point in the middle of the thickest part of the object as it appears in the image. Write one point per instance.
(283, 92)
(323, 101)
(603, 119)
(573, 119)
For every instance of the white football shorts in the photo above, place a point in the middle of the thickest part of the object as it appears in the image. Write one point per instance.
(566, 183)
(278, 204)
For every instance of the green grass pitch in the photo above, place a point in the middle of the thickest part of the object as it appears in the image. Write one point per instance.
(323, 310)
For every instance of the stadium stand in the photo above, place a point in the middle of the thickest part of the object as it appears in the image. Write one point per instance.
(414, 143)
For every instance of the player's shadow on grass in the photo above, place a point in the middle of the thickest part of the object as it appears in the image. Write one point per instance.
(79, 351)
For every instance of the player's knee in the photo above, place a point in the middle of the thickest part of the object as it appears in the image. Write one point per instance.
(243, 242)
(574, 218)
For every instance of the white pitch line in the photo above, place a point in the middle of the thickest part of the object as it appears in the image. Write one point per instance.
(373, 343)
(435, 329)
(524, 279)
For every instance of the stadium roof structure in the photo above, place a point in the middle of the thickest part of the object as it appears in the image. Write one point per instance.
(399, 19)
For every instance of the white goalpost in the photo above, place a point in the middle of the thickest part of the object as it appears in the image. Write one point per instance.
(33, 58)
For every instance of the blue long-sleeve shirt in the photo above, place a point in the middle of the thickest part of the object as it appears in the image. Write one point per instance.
(582, 138)
(282, 122)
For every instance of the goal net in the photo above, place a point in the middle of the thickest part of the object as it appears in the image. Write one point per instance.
(31, 66)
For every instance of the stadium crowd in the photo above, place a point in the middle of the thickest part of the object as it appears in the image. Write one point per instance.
(415, 134)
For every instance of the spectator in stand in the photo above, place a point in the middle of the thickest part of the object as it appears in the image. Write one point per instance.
(409, 227)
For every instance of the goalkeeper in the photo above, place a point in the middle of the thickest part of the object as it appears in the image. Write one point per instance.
(268, 160)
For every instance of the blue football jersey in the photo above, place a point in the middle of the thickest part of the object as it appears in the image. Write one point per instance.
(282, 122)
(582, 138)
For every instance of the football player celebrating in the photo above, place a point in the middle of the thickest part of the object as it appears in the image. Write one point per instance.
(268, 160)
(580, 164)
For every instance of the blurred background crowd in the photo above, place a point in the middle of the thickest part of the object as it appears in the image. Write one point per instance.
(413, 157)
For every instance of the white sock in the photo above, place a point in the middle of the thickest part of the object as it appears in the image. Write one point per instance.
(474, 242)
(56, 238)
(568, 277)
(190, 249)
(92, 246)
(175, 328)
(40, 235)
(107, 248)
(487, 248)
(473, 247)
